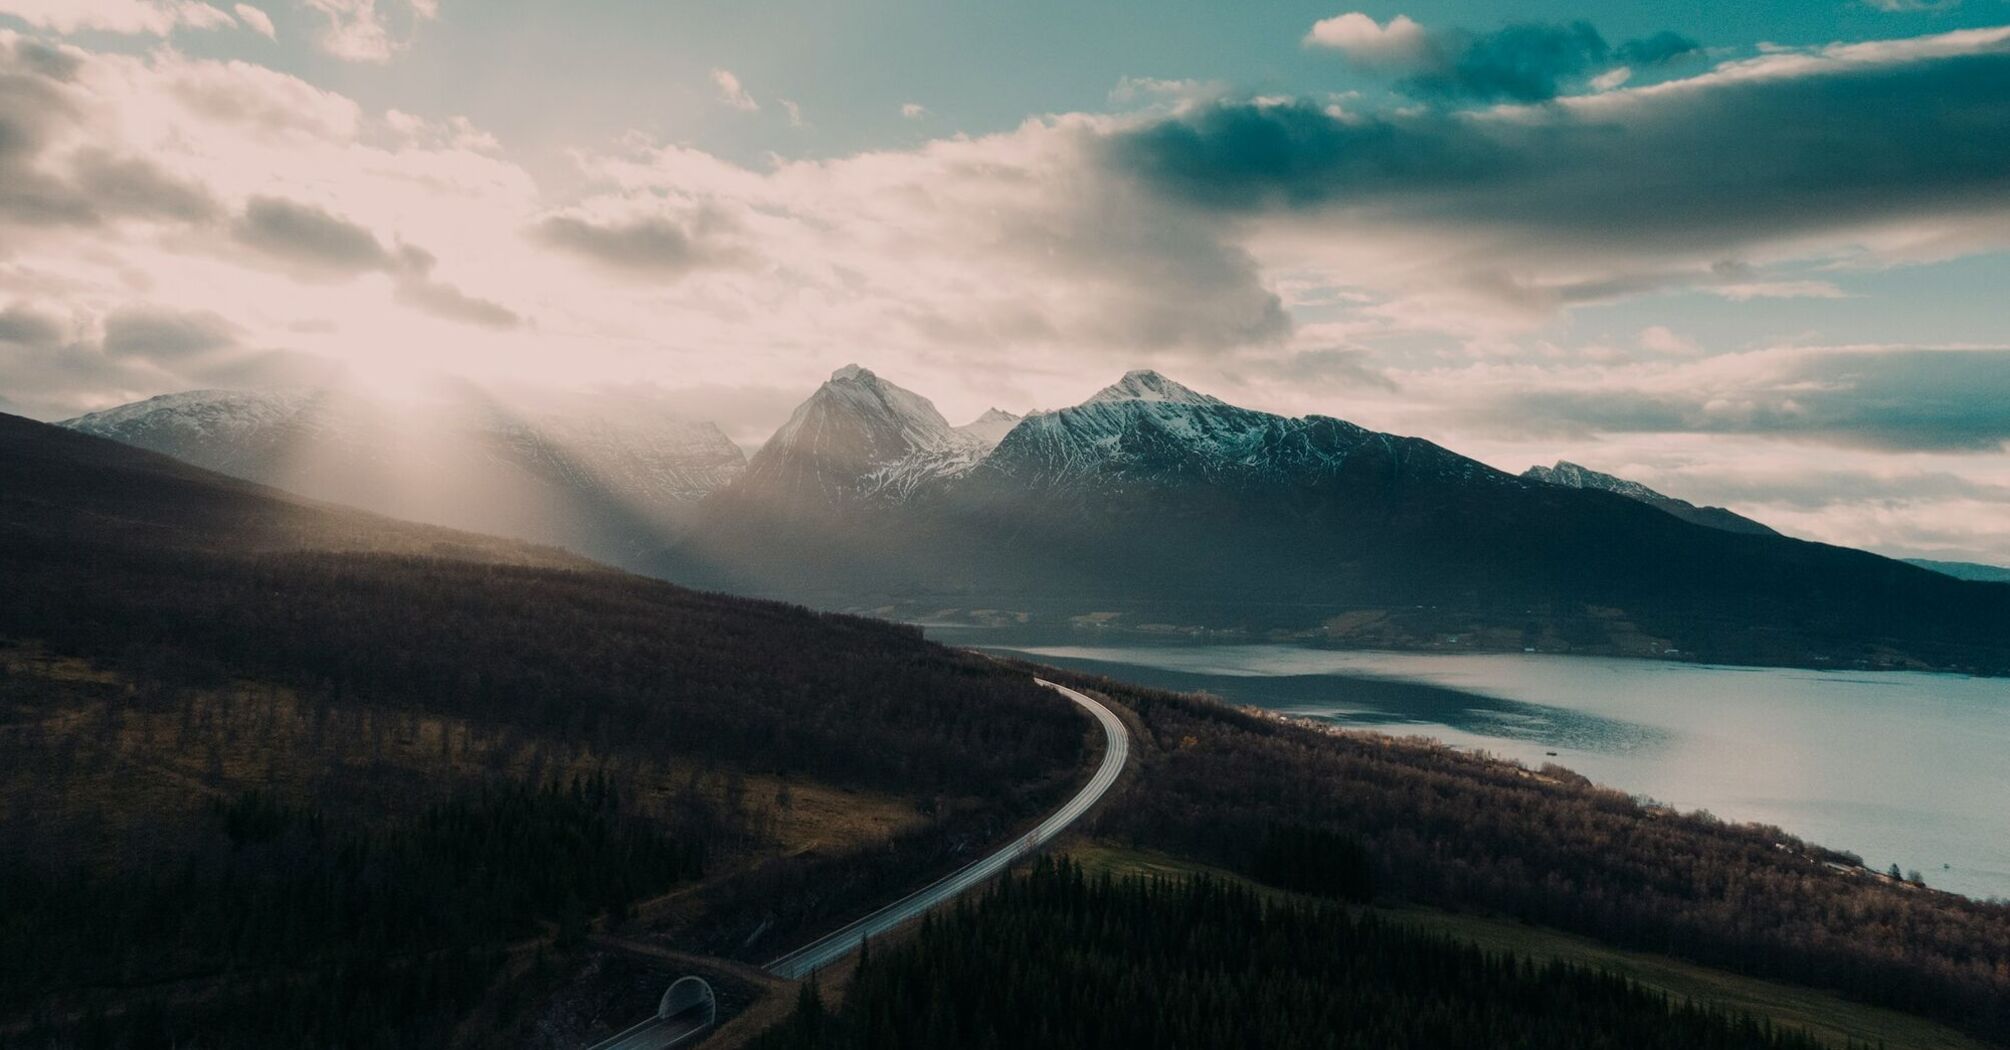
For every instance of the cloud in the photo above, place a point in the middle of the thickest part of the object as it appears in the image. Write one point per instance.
(47, 177)
(1612, 78)
(253, 100)
(138, 187)
(57, 370)
(1176, 95)
(165, 335)
(1520, 62)
(256, 20)
(1433, 255)
(1620, 193)
(308, 236)
(33, 56)
(319, 244)
(913, 110)
(185, 180)
(23, 326)
(1812, 489)
(1342, 367)
(450, 303)
(1665, 46)
(35, 105)
(360, 31)
(732, 93)
(650, 245)
(1401, 42)
(1523, 62)
(1907, 6)
(1903, 399)
(131, 17)
(417, 288)
(795, 112)
(1661, 339)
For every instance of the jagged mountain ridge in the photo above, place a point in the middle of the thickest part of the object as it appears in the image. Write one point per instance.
(1151, 503)
(1571, 475)
(602, 475)
(1148, 502)
(1149, 429)
(859, 437)
(991, 427)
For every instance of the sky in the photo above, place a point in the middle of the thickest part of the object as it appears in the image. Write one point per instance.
(1753, 255)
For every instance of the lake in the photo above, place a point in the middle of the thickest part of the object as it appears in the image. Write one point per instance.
(1897, 767)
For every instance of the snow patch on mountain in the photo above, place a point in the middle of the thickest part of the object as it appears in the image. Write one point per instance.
(861, 437)
(1148, 427)
(1571, 475)
(1143, 384)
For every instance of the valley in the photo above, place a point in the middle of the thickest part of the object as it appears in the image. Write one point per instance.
(978, 526)
(286, 755)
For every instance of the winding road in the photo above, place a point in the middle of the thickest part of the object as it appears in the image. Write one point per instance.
(828, 949)
(658, 1033)
(682, 1028)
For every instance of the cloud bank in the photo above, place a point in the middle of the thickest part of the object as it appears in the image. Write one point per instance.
(169, 221)
(1519, 62)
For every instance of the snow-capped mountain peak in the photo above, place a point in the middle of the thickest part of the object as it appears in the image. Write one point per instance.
(1143, 384)
(990, 428)
(1571, 475)
(884, 421)
(859, 435)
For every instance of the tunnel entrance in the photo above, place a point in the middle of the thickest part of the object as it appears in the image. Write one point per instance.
(689, 999)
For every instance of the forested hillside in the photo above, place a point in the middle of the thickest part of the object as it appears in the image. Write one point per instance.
(1057, 960)
(1464, 832)
(276, 773)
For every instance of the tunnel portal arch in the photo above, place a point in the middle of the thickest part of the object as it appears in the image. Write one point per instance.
(689, 997)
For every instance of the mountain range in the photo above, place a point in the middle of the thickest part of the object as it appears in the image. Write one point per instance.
(610, 477)
(1148, 507)
(1154, 507)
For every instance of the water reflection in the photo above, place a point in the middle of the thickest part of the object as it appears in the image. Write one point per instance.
(1897, 767)
(1386, 704)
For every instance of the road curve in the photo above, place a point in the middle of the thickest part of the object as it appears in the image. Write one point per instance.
(657, 1033)
(828, 949)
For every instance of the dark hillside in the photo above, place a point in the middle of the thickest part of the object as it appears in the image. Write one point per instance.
(1056, 959)
(1465, 832)
(279, 773)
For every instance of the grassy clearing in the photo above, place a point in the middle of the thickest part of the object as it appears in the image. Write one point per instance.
(1824, 1014)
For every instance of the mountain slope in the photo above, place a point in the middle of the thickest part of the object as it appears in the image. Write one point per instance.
(1151, 504)
(991, 427)
(1964, 570)
(279, 773)
(605, 476)
(1570, 475)
(860, 438)
(811, 507)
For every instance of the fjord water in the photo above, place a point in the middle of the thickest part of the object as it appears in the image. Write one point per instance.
(1903, 768)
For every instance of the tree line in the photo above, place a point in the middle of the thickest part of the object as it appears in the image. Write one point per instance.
(325, 918)
(1460, 831)
(1060, 960)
